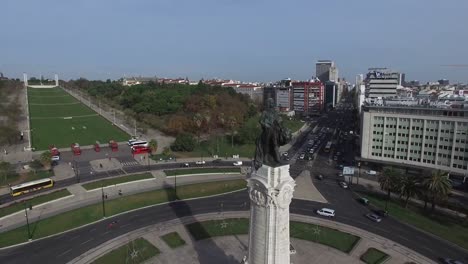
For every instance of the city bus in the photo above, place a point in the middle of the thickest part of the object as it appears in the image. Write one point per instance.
(31, 186)
(328, 146)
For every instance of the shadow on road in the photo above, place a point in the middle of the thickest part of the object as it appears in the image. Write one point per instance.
(210, 252)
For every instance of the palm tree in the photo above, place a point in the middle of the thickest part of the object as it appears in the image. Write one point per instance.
(388, 181)
(408, 187)
(46, 159)
(153, 145)
(438, 186)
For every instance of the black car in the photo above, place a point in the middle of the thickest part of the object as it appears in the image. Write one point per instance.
(217, 161)
(320, 177)
(381, 213)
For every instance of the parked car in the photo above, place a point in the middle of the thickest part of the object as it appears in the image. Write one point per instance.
(371, 172)
(343, 185)
(237, 163)
(185, 165)
(374, 217)
(55, 158)
(326, 212)
(200, 162)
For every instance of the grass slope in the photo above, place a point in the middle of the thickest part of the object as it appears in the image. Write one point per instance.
(113, 181)
(142, 249)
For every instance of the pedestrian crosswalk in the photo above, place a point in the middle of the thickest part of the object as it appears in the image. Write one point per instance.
(129, 163)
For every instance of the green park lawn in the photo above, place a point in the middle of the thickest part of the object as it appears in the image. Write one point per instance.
(49, 126)
(92, 213)
(113, 181)
(33, 201)
(374, 256)
(323, 235)
(201, 171)
(293, 124)
(442, 226)
(240, 226)
(122, 255)
(173, 240)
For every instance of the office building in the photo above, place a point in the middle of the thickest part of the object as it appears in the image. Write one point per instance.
(423, 133)
(331, 95)
(381, 83)
(308, 97)
(326, 70)
(284, 98)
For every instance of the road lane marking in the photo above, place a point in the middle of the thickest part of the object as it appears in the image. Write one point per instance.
(73, 238)
(125, 225)
(94, 229)
(106, 232)
(86, 241)
(63, 253)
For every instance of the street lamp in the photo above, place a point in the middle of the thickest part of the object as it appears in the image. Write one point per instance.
(175, 184)
(27, 219)
(103, 202)
(359, 175)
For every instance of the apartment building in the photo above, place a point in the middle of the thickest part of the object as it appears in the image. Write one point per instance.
(433, 135)
(308, 97)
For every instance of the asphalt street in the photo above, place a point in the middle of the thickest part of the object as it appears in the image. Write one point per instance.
(65, 247)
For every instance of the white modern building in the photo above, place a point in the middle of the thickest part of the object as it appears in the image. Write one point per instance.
(381, 83)
(432, 135)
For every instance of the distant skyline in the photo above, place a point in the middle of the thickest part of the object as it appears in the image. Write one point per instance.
(247, 40)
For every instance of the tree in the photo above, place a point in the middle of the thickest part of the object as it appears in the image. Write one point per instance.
(46, 159)
(153, 145)
(5, 170)
(388, 181)
(184, 142)
(438, 186)
(408, 187)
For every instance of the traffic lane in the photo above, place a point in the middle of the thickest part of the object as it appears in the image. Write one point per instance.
(65, 247)
(100, 175)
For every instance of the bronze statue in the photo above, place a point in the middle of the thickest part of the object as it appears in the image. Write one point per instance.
(273, 136)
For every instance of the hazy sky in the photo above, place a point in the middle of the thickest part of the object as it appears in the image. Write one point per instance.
(250, 40)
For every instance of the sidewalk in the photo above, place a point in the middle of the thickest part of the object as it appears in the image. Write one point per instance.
(81, 198)
(398, 253)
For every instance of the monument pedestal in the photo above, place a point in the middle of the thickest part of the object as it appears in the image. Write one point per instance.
(271, 191)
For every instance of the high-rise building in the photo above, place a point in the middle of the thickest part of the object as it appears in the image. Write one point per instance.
(326, 70)
(381, 83)
(284, 98)
(308, 97)
(432, 135)
(331, 95)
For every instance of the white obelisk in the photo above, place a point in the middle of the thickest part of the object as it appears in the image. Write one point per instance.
(271, 191)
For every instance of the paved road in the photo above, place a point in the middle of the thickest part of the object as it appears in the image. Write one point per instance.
(67, 246)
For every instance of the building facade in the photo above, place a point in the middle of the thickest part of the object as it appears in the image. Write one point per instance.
(381, 83)
(411, 133)
(326, 70)
(308, 97)
(284, 98)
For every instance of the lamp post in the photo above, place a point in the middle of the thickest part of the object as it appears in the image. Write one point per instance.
(359, 174)
(175, 184)
(27, 220)
(103, 202)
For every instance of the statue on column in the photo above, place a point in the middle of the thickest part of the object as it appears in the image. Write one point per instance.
(273, 135)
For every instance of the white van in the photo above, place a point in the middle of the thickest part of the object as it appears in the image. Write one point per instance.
(326, 212)
(237, 163)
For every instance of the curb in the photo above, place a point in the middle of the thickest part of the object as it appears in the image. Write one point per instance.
(119, 184)
(129, 211)
(41, 204)
(199, 174)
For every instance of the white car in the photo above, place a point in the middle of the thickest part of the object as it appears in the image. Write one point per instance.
(200, 162)
(344, 185)
(55, 158)
(130, 142)
(326, 212)
(371, 172)
(237, 163)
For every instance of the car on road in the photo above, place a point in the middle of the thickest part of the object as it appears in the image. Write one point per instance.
(285, 154)
(374, 217)
(237, 163)
(320, 177)
(371, 172)
(343, 185)
(450, 261)
(217, 161)
(335, 158)
(302, 156)
(363, 200)
(326, 212)
(200, 162)
(339, 174)
(55, 158)
(381, 213)
(185, 165)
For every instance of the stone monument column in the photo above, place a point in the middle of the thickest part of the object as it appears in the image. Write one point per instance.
(271, 191)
